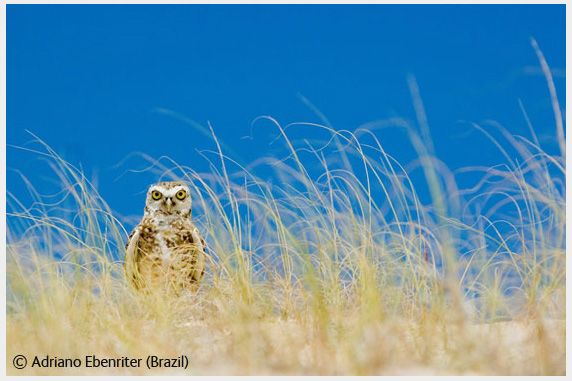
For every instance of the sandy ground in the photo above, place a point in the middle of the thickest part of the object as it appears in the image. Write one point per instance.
(512, 344)
(292, 347)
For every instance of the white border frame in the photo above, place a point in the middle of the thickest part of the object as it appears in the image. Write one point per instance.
(3, 20)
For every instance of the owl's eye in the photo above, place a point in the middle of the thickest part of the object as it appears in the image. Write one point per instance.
(156, 195)
(181, 194)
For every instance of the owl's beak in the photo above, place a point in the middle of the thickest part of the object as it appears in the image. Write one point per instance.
(169, 203)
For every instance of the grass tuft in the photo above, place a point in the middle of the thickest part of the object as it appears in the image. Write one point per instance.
(337, 267)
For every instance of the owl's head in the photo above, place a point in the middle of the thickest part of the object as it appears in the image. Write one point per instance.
(169, 198)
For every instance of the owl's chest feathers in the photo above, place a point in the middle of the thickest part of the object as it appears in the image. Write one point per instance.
(170, 234)
(165, 251)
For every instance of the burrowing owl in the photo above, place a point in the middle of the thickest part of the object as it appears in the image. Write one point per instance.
(165, 251)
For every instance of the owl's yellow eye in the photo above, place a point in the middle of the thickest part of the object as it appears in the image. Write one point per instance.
(156, 195)
(181, 194)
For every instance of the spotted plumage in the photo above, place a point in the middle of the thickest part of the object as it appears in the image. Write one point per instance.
(166, 251)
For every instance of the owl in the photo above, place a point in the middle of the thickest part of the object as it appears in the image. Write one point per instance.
(165, 252)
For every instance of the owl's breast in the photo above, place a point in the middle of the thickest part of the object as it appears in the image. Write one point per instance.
(176, 240)
(165, 246)
(170, 252)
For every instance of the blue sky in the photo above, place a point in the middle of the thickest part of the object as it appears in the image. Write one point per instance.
(90, 79)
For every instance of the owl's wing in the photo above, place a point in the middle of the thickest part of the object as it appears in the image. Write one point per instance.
(200, 244)
(132, 258)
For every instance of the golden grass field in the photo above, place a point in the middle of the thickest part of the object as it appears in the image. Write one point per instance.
(339, 268)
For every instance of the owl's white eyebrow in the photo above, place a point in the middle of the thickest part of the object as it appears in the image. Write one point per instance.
(173, 191)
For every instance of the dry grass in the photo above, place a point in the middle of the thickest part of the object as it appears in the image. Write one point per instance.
(339, 268)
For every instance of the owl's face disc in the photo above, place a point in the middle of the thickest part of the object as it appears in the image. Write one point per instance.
(169, 198)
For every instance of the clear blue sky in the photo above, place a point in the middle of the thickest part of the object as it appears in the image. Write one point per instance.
(87, 79)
